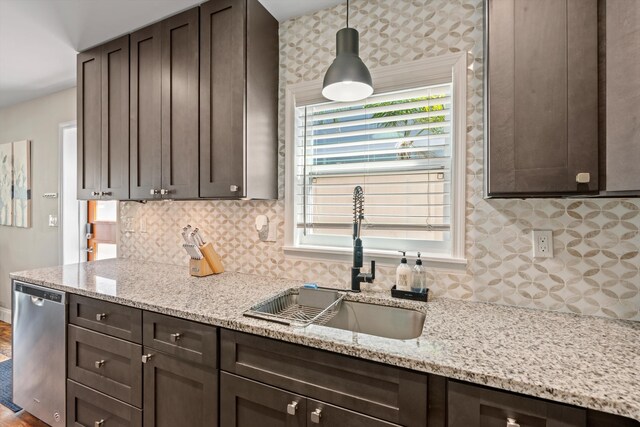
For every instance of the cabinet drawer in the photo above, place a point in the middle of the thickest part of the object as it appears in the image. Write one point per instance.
(112, 319)
(109, 365)
(87, 408)
(187, 340)
(385, 392)
(474, 406)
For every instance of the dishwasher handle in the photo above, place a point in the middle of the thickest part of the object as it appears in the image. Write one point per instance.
(37, 301)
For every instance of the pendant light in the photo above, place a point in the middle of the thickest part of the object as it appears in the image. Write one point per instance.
(347, 79)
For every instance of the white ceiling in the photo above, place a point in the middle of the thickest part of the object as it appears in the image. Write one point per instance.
(39, 39)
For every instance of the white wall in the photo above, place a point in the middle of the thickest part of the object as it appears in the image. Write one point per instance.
(38, 246)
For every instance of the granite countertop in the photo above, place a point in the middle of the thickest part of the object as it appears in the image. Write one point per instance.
(586, 361)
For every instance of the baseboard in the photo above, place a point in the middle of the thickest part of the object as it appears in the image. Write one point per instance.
(5, 315)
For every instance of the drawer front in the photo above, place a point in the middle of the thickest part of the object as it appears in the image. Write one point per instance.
(89, 408)
(109, 365)
(184, 339)
(380, 391)
(112, 319)
(475, 406)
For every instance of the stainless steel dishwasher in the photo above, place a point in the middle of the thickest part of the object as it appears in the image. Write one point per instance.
(39, 351)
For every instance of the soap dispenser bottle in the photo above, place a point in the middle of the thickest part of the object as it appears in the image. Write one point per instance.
(419, 277)
(403, 274)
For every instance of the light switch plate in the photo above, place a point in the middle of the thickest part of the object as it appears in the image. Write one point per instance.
(53, 220)
(542, 243)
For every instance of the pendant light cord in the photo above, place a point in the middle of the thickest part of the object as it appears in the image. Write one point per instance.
(347, 13)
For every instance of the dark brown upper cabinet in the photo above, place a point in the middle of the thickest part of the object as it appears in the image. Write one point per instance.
(620, 88)
(146, 113)
(541, 97)
(238, 100)
(164, 109)
(103, 118)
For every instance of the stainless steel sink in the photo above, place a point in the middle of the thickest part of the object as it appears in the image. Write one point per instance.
(302, 307)
(379, 320)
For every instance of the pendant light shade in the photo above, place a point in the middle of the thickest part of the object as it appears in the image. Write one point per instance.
(347, 79)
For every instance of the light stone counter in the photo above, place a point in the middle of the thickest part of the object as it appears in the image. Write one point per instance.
(586, 361)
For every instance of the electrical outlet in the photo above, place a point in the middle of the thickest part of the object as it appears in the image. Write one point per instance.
(542, 243)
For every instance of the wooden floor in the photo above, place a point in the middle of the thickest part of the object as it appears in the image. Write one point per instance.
(7, 417)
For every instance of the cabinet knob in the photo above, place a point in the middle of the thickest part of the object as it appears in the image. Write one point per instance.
(95, 193)
(583, 178)
(292, 407)
(99, 364)
(153, 191)
(146, 358)
(100, 316)
(233, 188)
(98, 423)
(175, 337)
(511, 422)
(316, 415)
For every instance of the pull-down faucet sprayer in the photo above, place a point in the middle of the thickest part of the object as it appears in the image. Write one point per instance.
(358, 251)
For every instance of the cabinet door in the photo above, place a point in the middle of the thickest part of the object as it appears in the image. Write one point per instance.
(542, 118)
(222, 98)
(178, 393)
(473, 406)
(622, 73)
(89, 123)
(146, 113)
(180, 105)
(115, 120)
(246, 403)
(325, 415)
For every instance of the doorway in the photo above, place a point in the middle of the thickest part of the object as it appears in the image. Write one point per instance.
(87, 228)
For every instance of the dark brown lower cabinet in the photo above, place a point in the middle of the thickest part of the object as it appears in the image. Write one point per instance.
(474, 406)
(246, 403)
(323, 414)
(178, 392)
(89, 408)
(109, 365)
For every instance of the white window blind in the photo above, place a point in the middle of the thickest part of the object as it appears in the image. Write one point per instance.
(397, 146)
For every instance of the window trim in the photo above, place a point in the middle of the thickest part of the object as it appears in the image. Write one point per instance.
(423, 72)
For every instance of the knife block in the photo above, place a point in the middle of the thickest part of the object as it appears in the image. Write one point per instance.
(212, 257)
(199, 268)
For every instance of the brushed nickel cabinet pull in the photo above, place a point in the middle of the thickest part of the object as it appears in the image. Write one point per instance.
(316, 415)
(292, 408)
(95, 193)
(511, 422)
(175, 337)
(146, 358)
(99, 364)
(233, 188)
(98, 423)
(583, 178)
(105, 193)
(101, 316)
(153, 191)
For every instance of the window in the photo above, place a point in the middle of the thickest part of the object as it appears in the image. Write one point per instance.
(401, 146)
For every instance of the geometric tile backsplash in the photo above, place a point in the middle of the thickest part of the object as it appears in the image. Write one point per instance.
(596, 267)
